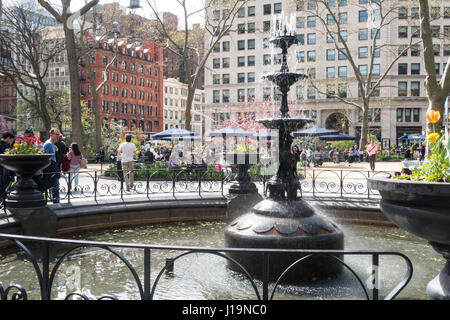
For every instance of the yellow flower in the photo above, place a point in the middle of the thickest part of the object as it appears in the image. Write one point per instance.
(433, 137)
(443, 165)
(15, 145)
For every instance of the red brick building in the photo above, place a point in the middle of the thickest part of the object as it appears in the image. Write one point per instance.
(132, 94)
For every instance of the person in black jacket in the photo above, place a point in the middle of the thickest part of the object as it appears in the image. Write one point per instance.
(61, 152)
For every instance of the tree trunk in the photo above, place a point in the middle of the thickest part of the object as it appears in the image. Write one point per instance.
(74, 86)
(95, 108)
(364, 127)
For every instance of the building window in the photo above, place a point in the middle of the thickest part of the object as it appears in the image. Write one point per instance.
(363, 34)
(415, 51)
(363, 52)
(226, 78)
(415, 89)
(216, 96)
(241, 77)
(226, 96)
(251, 11)
(311, 21)
(311, 56)
(399, 115)
(415, 68)
(241, 44)
(251, 61)
(402, 88)
(331, 72)
(402, 68)
(267, 9)
(226, 46)
(251, 44)
(331, 54)
(416, 115)
(403, 31)
(251, 77)
(267, 59)
(311, 38)
(363, 16)
(300, 22)
(241, 61)
(363, 69)
(277, 7)
(225, 62)
(342, 72)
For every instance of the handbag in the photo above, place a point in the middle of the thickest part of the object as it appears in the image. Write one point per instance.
(83, 162)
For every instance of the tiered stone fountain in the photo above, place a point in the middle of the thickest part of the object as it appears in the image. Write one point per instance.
(283, 220)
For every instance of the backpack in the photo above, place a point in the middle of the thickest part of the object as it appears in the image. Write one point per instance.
(65, 167)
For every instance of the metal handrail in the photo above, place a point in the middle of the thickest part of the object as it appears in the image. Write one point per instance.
(146, 290)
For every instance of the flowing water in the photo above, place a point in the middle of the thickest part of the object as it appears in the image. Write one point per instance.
(96, 272)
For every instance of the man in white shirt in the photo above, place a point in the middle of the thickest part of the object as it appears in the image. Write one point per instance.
(127, 151)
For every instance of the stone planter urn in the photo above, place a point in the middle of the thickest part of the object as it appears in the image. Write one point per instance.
(25, 193)
(243, 183)
(423, 209)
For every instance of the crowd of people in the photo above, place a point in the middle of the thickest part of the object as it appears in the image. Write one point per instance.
(65, 159)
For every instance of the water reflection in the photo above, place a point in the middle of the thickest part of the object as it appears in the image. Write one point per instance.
(96, 272)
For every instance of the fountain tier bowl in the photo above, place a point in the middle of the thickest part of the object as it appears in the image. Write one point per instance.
(285, 225)
(284, 79)
(288, 124)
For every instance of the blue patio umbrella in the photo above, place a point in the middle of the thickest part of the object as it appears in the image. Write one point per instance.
(315, 132)
(173, 132)
(412, 137)
(337, 137)
(180, 138)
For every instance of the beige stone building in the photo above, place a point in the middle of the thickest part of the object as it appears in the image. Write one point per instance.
(174, 100)
(238, 63)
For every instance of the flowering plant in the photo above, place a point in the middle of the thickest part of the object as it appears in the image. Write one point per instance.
(437, 166)
(27, 145)
(245, 146)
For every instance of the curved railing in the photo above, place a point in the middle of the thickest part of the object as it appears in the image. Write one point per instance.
(94, 184)
(46, 275)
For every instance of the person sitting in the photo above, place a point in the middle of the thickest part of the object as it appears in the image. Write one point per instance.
(173, 163)
(100, 156)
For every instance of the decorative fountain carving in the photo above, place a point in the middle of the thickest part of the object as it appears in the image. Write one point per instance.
(283, 220)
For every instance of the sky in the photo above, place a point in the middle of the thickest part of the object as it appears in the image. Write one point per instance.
(161, 5)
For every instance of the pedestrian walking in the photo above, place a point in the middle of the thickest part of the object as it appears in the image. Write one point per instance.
(127, 152)
(372, 150)
(75, 156)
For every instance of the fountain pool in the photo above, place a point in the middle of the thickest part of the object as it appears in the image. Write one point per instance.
(96, 272)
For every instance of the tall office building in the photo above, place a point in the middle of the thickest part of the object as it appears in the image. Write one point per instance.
(240, 60)
(175, 96)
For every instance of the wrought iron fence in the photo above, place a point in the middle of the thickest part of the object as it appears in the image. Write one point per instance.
(46, 273)
(95, 184)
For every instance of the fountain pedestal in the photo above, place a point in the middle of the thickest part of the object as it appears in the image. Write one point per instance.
(283, 221)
